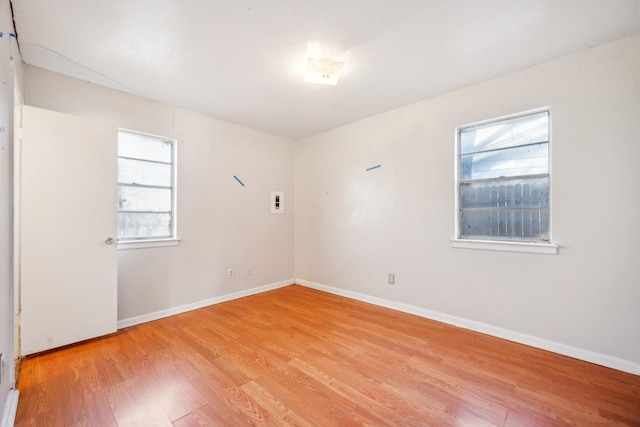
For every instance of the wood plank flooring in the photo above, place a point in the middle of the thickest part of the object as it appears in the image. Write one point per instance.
(296, 356)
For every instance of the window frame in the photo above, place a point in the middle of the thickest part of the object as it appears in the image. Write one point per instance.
(151, 242)
(508, 245)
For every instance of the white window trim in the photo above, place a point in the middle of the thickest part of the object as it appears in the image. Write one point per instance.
(506, 246)
(149, 243)
(167, 241)
(550, 248)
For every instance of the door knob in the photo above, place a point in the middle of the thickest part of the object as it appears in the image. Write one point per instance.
(109, 240)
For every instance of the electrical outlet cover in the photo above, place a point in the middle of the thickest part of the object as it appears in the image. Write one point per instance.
(277, 202)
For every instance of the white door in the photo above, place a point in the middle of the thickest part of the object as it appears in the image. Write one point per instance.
(68, 202)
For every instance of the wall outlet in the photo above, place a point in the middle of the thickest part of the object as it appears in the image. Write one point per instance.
(392, 279)
(249, 271)
(231, 273)
(277, 202)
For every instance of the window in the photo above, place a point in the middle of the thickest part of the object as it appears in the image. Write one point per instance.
(146, 187)
(503, 179)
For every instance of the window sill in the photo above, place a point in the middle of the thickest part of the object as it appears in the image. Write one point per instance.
(490, 245)
(140, 244)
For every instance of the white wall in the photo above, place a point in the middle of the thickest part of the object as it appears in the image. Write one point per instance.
(222, 224)
(8, 50)
(6, 295)
(354, 227)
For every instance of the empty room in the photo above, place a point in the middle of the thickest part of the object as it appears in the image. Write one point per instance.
(319, 213)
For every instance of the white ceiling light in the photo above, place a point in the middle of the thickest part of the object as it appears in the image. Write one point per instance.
(323, 71)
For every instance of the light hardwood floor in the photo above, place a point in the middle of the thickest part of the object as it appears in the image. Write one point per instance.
(297, 356)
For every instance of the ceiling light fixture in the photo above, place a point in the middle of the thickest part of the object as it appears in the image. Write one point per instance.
(323, 71)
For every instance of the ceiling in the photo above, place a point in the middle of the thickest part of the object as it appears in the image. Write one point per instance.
(243, 60)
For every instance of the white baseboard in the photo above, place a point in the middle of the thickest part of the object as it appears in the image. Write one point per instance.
(530, 340)
(10, 409)
(200, 304)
